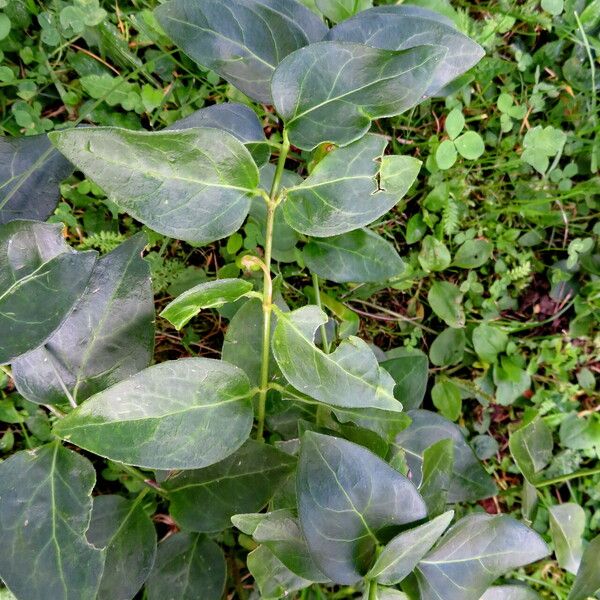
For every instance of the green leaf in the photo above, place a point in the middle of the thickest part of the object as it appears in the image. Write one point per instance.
(357, 256)
(554, 7)
(470, 145)
(210, 294)
(541, 143)
(30, 172)
(469, 482)
(448, 347)
(580, 433)
(193, 185)
(126, 533)
(455, 122)
(273, 578)
(41, 279)
(338, 10)
(434, 256)
(244, 482)
(410, 369)
(511, 380)
(438, 462)
(404, 26)
(473, 254)
(489, 341)
(445, 155)
(401, 555)
(45, 508)
(238, 120)
(340, 518)
(331, 200)
(183, 414)
(188, 566)
(567, 526)
(446, 397)
(475, 552)
(387, 424)
(531, 448)
(109, 337)
(331, 91)
(243, 43)
(280, 532)
(587, 582)
(510, 592)
(445, 300)
(348, 377)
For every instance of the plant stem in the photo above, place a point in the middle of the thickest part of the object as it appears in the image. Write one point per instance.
(273, 202)
(568, 477)
(323, 329)
(133, 472)
(372, 589)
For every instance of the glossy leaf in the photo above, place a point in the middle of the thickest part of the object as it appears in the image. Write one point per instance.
(402, 553)
(194, 185)
(237, 119)
(531, 448)
(41, 279)
(244, 482)
(45, 508)
(567, 526)
(346, 495)
(410, 369)
(469, 481)
(331, 91)
(473, 553)
(30, 173)
(183, 414)
(243, 42)
(510, 592)
(188, 566)
(348, 377)
(108, 337)
(351, 187)
(211, 294)
(385, 423)
(273, 578)
(338, 10)
(587, 582)
(357, 256)
(438, 463)
(126, 533)
(403, 26)
(445, 300)
(446, 397)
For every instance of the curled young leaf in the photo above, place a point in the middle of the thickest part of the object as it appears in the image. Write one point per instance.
(348, 377)
(351, 187)
(194, 184)
(183, 414)
(331, 91)
(244, 40)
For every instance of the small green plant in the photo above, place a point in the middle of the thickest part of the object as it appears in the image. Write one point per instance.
(333, 449)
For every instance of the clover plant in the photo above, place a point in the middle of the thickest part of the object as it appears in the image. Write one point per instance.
(300, 416)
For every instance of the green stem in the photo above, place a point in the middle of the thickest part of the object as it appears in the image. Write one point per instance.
(568, 477)
(323, 328)
(273, 201)
(372, 589)
(133, 472)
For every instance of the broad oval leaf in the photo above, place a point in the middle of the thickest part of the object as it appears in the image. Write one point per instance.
(469, 481)
(338, 10)
(402, 553)
(41, 279)
(126, 534)
(410, 370)
(587, 582)
(184, 414)
(211, 294)
(188, 566)
(244, 40)
(331, 91)
(358, 256)
(438, 462)
(108, 337)
(510, 592)
(193, 185)
(206, 499)
(45, 508)
(30, 173)
(237, 119)
(350, 188)
(401, 27)
(567, 526)
(473, 553)
(387, 424)
(531, 448)
(473, 254)
(348, 377)
(445, 300)
(346, 495)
